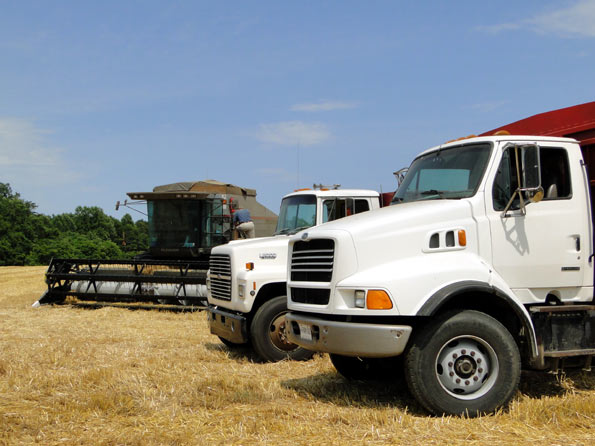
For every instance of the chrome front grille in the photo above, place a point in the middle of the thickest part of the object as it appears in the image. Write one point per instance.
(312, 261)
(220, 276)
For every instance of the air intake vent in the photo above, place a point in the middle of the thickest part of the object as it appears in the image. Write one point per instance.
(312, 296)
(313, 261)
(220, 275)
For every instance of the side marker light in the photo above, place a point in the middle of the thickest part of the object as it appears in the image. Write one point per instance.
(462, 238)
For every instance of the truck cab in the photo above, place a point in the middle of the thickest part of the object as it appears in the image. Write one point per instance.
(246, 280)
(484, 261)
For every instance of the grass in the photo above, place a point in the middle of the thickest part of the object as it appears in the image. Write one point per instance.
(111, 376)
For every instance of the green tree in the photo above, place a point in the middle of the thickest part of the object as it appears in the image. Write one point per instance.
(19, 227)
(29, 238)
(92, 220)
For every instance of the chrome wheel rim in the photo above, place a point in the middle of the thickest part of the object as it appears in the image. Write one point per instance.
(467, 367)
(278, 335)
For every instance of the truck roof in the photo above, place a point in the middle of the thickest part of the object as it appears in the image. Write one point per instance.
(336, 193)
(193, 189)
(493, 139)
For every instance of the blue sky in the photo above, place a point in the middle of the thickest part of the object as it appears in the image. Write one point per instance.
(102, 98)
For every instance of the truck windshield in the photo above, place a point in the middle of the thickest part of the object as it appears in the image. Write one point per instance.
(185, 223)
(451, 173)
(297, 213)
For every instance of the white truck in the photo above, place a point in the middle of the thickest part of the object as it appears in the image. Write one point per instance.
(484, 262)
(246, 281)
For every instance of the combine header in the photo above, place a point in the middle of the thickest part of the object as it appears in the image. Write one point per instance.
(186, 220)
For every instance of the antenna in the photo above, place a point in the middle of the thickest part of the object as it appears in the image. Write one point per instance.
(297, 184)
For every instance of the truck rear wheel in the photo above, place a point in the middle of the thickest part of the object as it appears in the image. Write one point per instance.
(267, 333)
(464, 363)
(364, 369)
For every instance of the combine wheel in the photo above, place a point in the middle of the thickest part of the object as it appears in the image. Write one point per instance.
(267, 333)
(464, 363)
(364, 369)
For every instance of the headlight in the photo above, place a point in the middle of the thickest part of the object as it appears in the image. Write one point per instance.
(360, 298)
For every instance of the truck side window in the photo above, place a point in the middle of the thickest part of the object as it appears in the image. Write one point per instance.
(555, 173)
(361, 206)
(336, 208)
(506, 182)
(555, 177)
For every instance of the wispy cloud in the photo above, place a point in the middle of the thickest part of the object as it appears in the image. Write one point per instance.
(24, 154)
(323, 106)
(293, 133)
(577, 20)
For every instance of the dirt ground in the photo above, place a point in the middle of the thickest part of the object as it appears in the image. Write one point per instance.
(71, 376)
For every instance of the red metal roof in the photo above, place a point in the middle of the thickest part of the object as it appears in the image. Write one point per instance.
(576, 122)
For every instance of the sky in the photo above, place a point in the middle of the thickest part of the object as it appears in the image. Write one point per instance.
(102, 98)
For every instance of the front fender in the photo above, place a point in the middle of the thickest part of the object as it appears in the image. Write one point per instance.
(442, 297)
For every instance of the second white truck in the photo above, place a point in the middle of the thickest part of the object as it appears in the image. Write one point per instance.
(247, 279)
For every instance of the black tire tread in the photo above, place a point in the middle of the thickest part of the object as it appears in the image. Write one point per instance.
(259, 335)
(418, 380)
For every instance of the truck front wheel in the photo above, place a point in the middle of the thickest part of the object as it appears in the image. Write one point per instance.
(463, 363)
(267, 333)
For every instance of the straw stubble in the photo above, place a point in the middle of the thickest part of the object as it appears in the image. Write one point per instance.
(118, 377)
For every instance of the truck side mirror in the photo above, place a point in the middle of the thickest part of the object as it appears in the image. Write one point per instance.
(531, 173)
(528, 172)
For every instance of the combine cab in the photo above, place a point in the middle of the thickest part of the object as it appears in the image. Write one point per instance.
(186, 220)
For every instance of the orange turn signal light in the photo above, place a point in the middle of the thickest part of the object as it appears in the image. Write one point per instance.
(249, 266)
(462, 238)
(378, 300)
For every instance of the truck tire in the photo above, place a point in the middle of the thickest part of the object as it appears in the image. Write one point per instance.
(267, 333)
(368, 369)
(465, 362)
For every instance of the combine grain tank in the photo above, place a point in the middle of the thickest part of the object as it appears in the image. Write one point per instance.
(186, 220)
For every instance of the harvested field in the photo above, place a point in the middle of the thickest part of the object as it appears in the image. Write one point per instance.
(119, 377)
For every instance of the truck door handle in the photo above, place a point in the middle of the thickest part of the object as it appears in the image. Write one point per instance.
(578, 243)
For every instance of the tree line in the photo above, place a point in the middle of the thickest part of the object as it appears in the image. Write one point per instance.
(30, 238)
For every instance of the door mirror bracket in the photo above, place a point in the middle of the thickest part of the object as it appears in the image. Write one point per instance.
(529, 188)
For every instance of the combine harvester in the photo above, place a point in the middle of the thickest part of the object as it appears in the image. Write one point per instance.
(186, 220)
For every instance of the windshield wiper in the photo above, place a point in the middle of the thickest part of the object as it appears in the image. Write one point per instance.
(283, 231)
(291, 231)
(440, 193)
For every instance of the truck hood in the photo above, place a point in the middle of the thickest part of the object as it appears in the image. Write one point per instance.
(253, 249)
(402, 229)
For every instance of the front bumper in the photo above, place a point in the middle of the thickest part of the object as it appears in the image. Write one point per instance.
(227, 325)
(347, 338)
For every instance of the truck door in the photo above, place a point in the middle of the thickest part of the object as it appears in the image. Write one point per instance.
(546, 250)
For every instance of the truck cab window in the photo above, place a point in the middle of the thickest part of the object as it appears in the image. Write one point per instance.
(448, 174)
(361, 206)
(336, 208)
(297, 213)
(555, 173)
(555, 177)
(506, 182)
